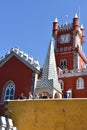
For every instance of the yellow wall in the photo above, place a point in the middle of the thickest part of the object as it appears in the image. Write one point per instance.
(49, 114)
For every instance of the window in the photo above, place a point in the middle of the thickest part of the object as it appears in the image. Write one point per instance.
(61, 84)
(63, 64)
(9, 91)
(80, 83)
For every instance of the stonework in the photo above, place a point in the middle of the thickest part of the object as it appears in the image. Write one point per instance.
(70, 58)
(6, 124)
(48, 82)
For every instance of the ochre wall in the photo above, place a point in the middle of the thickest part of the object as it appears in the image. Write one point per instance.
(49, 114)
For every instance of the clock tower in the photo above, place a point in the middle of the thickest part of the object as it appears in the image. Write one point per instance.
(69, 39)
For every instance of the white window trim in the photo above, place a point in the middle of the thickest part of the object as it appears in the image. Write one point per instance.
(62, 61)
(4, 90)
(81, 80)
(61, 82)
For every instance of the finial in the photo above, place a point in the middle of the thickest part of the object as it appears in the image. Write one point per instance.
(82, 27)
(76, 16)
(56, 20)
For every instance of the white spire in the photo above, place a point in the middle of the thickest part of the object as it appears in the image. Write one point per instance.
(76, 16)
(82, 27)
(49, 69)
(49, 78)
(56, 20)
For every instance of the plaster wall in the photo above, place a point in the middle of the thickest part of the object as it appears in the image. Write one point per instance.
(64, 114)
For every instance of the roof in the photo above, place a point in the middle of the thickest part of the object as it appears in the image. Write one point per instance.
(49, 77)
(22, 56)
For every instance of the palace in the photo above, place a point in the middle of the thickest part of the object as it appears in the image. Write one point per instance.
(64, 70)
(63, 75)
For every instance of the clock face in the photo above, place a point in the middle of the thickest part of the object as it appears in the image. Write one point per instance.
(65, 38)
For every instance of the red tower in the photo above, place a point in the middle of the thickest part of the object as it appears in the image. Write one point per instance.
(70, 60)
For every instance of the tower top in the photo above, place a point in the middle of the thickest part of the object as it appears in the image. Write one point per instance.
(56, 20)
(75, 16)
(82, 27)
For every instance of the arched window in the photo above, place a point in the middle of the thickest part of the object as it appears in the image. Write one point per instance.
(63, 64)
(61, 84)
(80, 83)
(9, 90)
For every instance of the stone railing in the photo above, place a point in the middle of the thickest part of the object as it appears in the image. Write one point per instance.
(6, 124)
(76, 72)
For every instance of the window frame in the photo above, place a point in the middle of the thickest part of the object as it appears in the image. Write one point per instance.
(63, 63)
(80, 83)
(8, 88)
(61, 84)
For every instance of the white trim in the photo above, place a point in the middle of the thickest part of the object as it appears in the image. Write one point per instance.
(5, 87)
(80, 83)
(61, 83)
(84, 73)
(21, 59)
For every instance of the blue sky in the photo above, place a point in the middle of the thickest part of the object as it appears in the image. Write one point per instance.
(27, 24)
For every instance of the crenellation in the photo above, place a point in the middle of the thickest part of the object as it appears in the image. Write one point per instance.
(21, 53)
(65, 27)
(36, 64)
(30, 59)
(73, 72)
(16, 50)
(1, 58)
(24, 56)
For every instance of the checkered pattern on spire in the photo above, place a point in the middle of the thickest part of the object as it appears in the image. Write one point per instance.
(49, 76)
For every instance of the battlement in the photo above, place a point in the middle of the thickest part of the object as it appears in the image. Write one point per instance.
(65, 27)
(29, 59)
(74, 26)
(74, 72)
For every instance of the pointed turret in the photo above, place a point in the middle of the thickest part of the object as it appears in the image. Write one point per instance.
(55, 27)
(49, 68)
(49, 79)
(76, 16)
(56, 20)
(76, 22)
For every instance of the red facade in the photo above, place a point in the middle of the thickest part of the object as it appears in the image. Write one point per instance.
(16, 71)
(70, 60)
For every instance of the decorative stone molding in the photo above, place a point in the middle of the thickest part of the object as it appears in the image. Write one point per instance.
(6, 124)
(22, 55)
(72, 73)
(66, 26)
